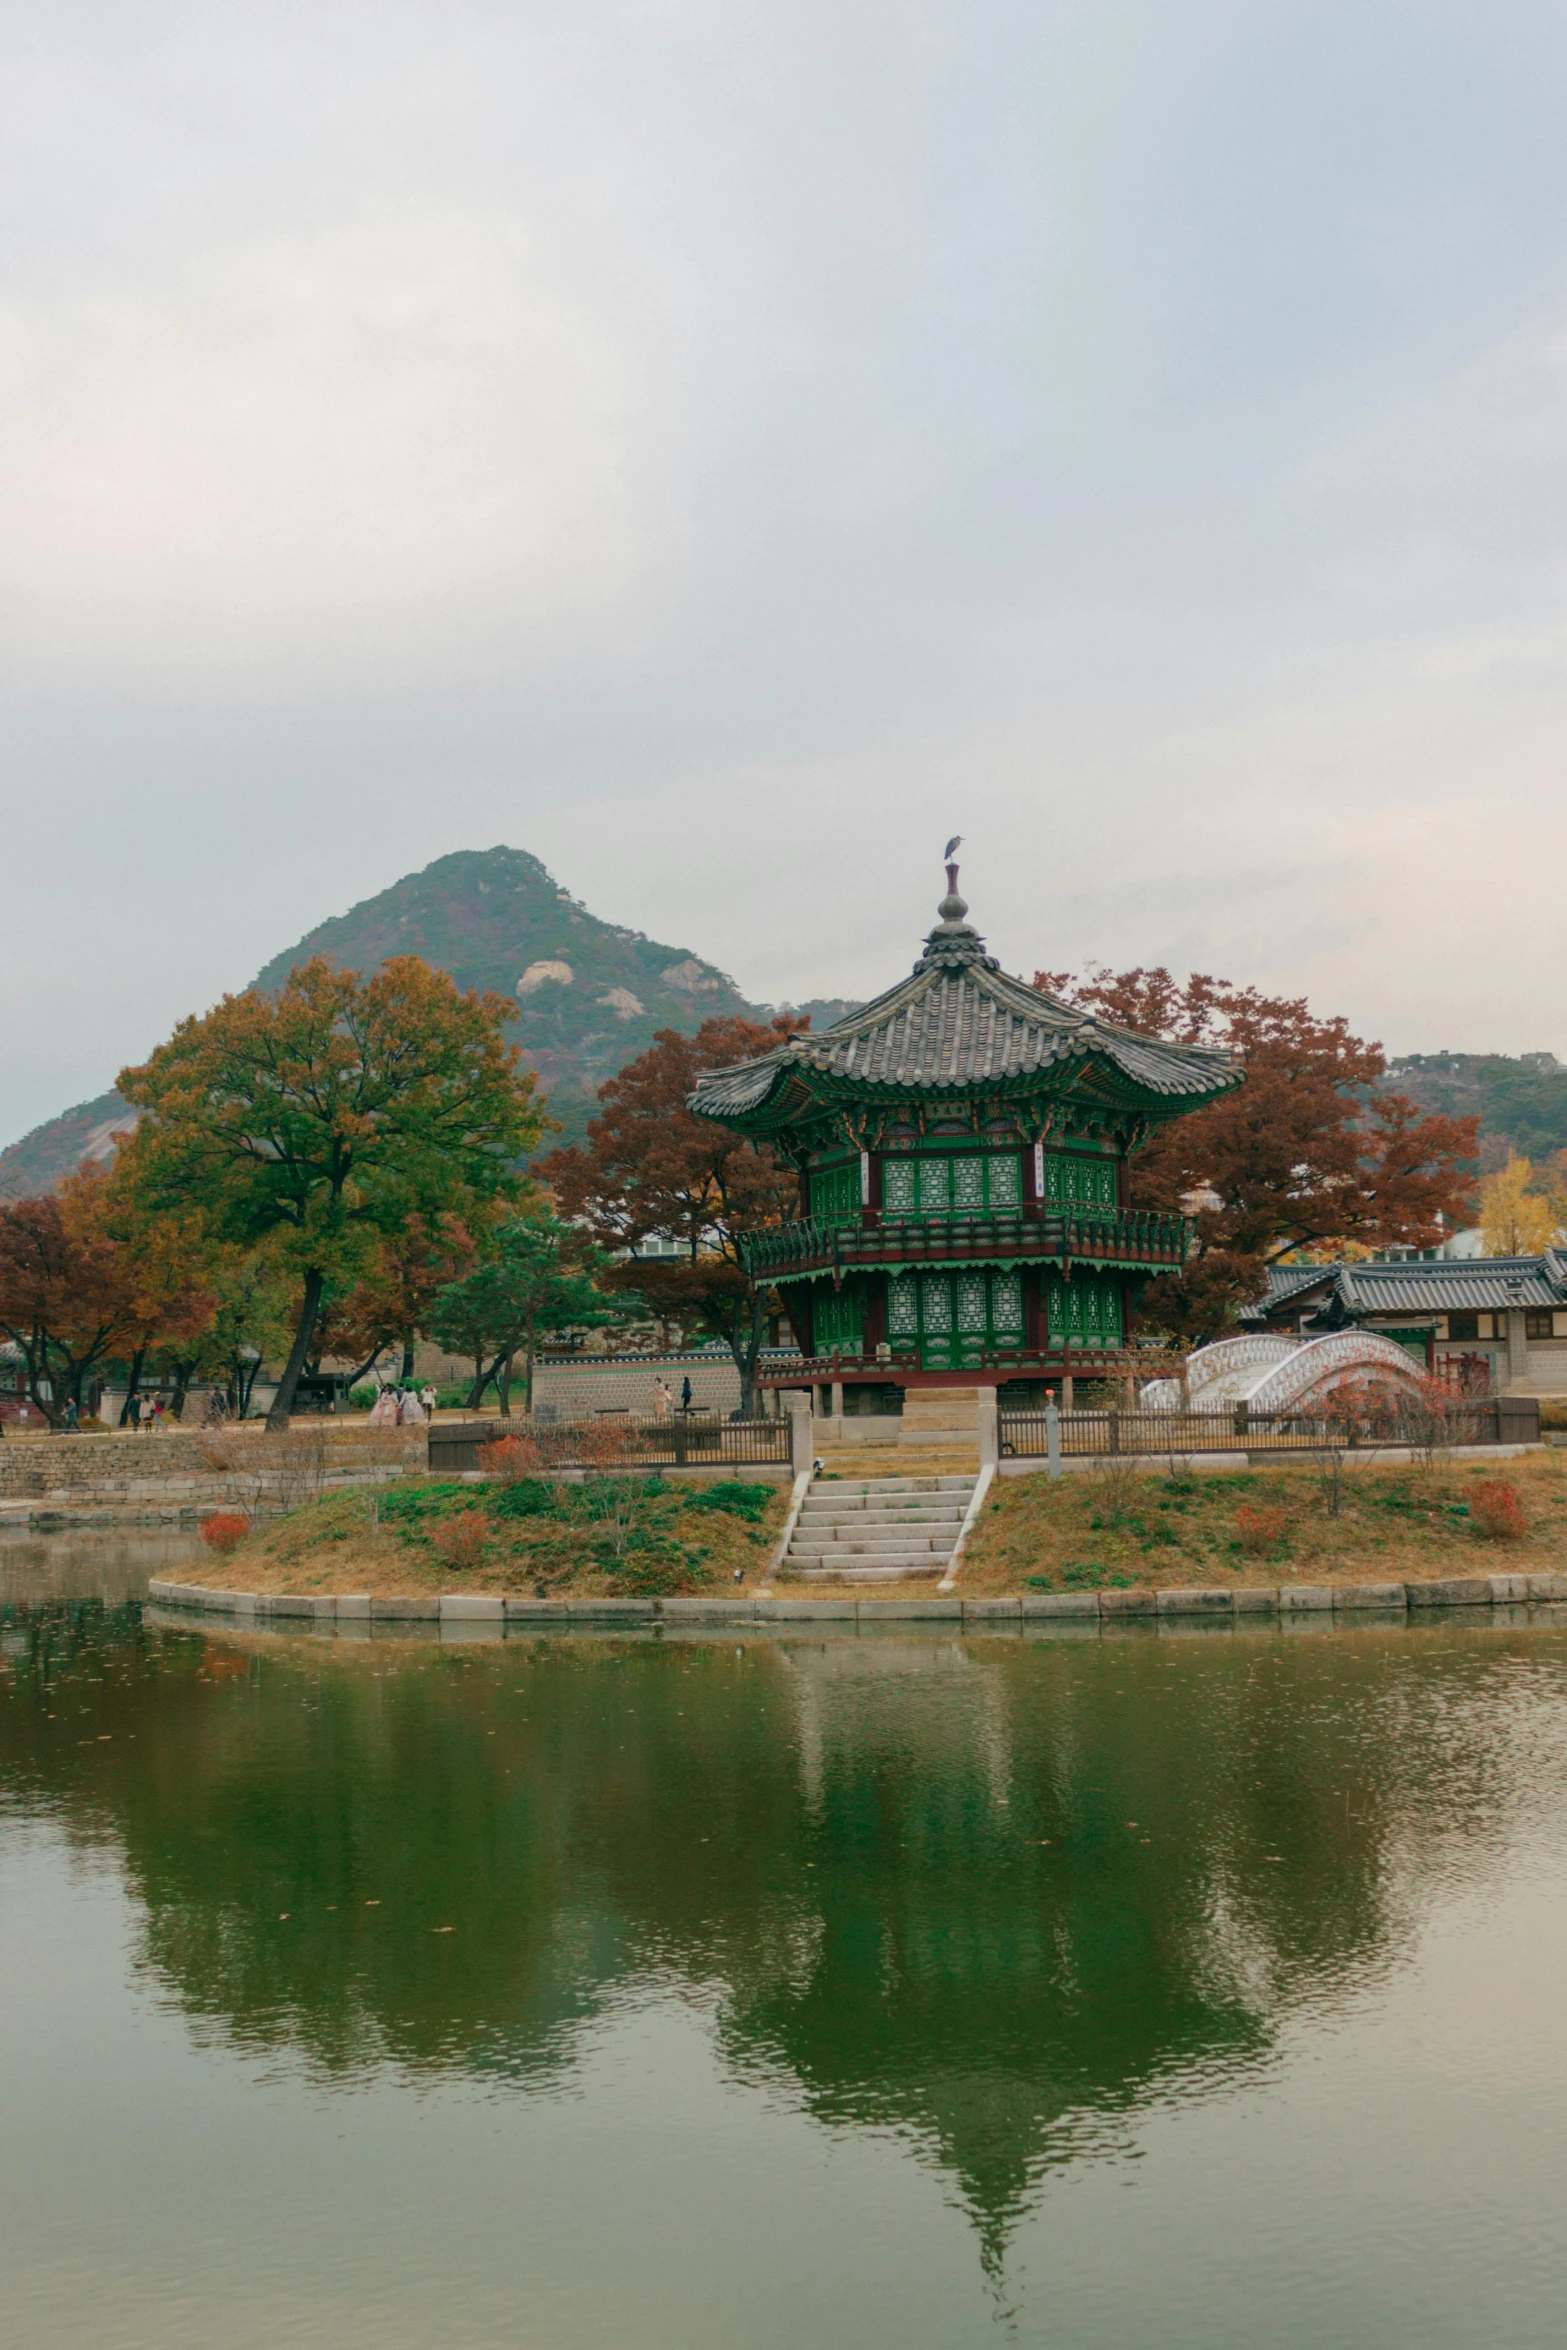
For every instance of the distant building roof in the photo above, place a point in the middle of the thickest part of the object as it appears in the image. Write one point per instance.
(1287, 1281)
(1428, 1286)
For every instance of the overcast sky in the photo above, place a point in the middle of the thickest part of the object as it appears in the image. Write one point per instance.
(725, 447)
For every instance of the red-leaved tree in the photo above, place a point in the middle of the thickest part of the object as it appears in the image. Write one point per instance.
(649, 1167)
(1311, 1152)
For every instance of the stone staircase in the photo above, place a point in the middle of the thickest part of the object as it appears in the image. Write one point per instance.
(877, 1529)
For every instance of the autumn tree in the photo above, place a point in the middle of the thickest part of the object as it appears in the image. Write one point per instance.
(387, 1305)
(1310, 1152)
(253, 1318)
(544, 1276)
(169, 1264)
(318, 1120)
(1516, 1219)
(66, 1298)
(650, 1167)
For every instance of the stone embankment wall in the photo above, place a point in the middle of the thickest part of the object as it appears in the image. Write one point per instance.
(84, 1480)
(1512, 1599)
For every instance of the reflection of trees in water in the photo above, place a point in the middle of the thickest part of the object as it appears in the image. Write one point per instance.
(993, 1898)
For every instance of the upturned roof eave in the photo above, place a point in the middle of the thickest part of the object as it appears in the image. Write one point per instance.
(960, 1025)
(1110, 1088)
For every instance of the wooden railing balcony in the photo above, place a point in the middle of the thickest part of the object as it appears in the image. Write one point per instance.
(869, 1240)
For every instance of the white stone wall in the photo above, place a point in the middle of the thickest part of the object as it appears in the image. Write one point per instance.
(1547, 1371)
(578, 1389)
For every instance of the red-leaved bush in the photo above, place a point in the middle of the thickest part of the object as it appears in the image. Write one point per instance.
(460, 1542)
(1259, 1530)
(224, 1529)
(1496, 1511)
(510, 1457)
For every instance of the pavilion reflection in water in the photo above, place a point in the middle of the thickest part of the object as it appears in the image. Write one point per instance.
(995, 1898)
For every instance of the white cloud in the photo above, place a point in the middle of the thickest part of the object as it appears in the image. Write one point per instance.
(371, 419)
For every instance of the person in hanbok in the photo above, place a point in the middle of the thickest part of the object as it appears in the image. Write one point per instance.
(410, 1411)
(383, 1412)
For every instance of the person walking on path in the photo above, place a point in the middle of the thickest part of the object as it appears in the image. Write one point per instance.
(662, 1399)
(427, 1399)
(685, 1393)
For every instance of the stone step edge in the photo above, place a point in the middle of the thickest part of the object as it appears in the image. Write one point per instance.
(832, 1488)
(1108, 1606)
(880, 1521)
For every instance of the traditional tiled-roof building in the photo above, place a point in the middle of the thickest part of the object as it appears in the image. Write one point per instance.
(962, 1146)
(1497, 1322)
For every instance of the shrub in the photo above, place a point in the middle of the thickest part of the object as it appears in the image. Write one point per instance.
(734, 1500)
(425, 1498)
(510, 1457)
(225, 1529)
(530, 1497)
(656, 1570)
(1496, 1511)
(460, 1542)
(1259, 1530)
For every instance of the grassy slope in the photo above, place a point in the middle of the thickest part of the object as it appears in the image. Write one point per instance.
(432, 1534)
(1396, 1525)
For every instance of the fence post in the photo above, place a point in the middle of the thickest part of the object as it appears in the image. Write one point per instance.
(989, 1428)
(800, 1448)
(1115, 1431)
(1052, 1441)
(682, 1439)
(1242, 1419)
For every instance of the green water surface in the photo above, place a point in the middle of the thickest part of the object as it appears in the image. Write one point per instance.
(854, 1990)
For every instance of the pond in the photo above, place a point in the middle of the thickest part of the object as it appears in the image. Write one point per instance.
(670, 1994)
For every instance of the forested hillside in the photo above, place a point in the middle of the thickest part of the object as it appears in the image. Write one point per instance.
(1520, 1100)
(590, 995)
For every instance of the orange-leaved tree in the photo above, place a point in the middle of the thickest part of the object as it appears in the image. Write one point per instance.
(649, 1168)
(322, 1118)
(171, 1267)
(387, 1305)
(1311, 1152)
(68, 1300)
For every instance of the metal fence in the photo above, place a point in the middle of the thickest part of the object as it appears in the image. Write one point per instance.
(1237, 1429)
(615, 1442)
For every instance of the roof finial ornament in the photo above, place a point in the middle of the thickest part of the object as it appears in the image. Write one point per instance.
(952, 908)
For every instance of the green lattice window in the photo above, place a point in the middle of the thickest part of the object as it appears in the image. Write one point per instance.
(838, 1318)
(835, 1193)
(955, 1318)
(947, 1183)
(1085, 1311)
(1072, 1182)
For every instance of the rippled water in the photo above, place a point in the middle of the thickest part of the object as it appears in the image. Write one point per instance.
(1157, 1990)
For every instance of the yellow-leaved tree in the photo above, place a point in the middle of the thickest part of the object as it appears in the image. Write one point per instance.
(1516, 1220)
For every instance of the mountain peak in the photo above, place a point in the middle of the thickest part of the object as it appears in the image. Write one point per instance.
(589, 994)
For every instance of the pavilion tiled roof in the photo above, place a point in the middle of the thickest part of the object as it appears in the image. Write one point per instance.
(960, 1021)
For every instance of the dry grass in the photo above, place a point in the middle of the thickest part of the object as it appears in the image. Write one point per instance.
(419, 1537)
(1395, 1525)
